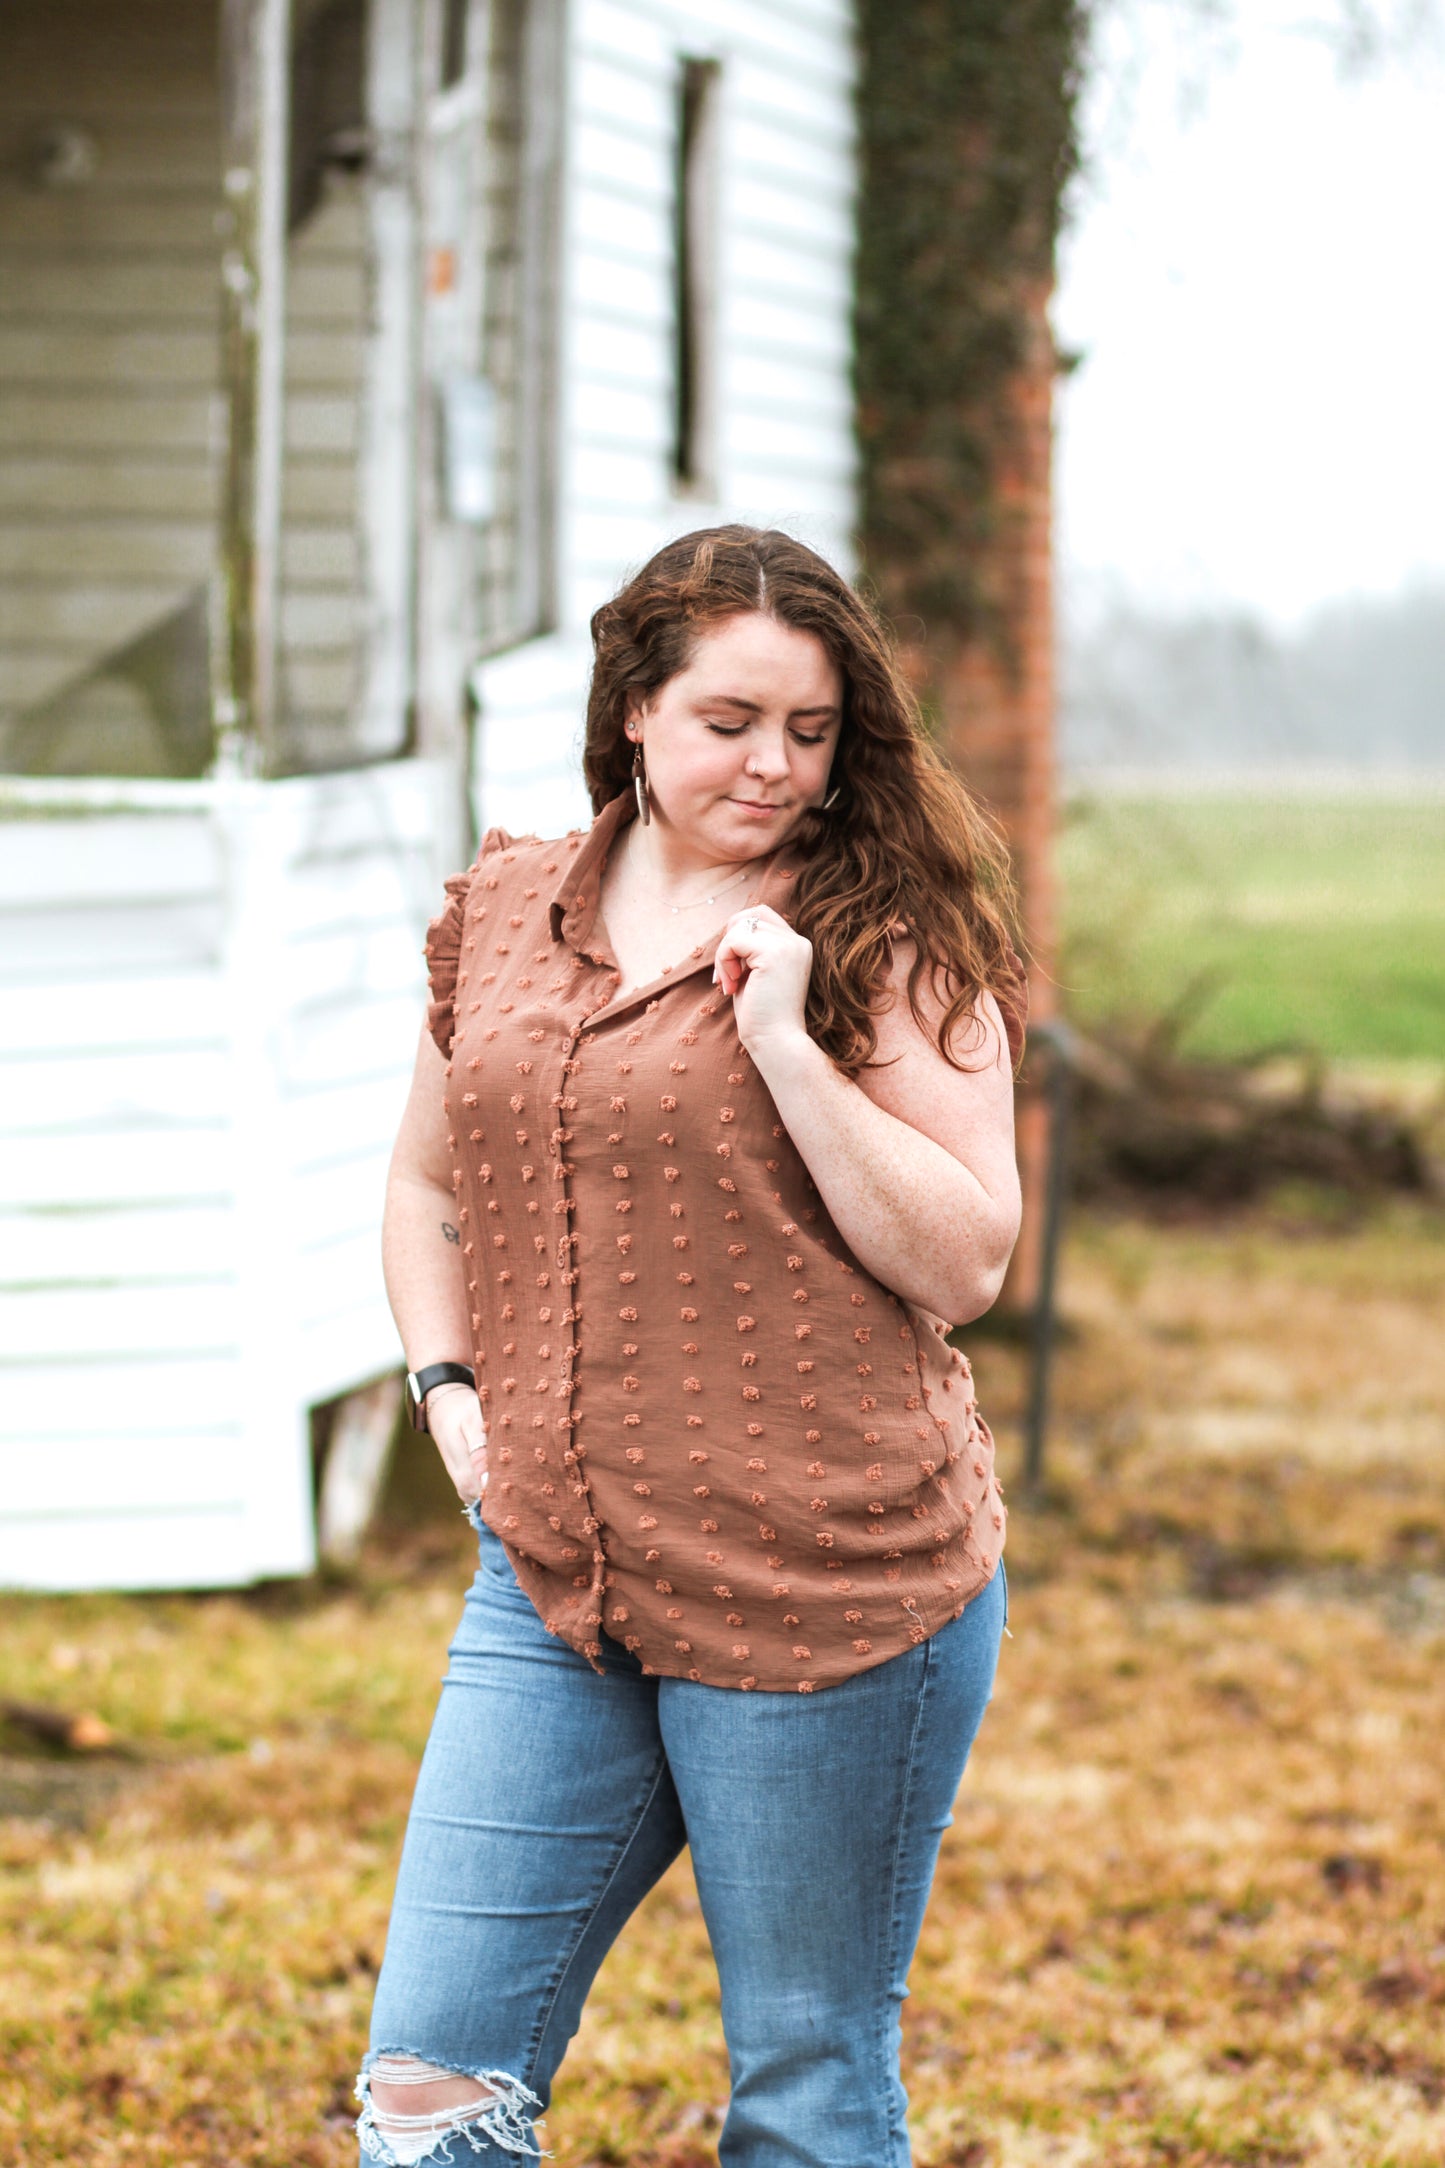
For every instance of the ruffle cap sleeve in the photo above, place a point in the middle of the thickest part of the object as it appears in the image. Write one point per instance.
(444, 943)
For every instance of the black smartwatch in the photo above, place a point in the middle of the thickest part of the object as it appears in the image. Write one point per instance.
(420, 1382)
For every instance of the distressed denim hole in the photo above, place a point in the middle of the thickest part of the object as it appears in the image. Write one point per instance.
(413, 2110)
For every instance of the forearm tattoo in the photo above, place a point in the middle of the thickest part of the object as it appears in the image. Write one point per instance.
(452, 1234)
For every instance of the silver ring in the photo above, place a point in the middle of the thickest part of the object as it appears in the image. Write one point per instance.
(754, 924)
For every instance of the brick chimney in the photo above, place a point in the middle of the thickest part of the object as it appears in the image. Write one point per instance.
(996, 701)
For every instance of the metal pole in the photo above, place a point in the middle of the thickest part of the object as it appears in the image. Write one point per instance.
(1058, 1039)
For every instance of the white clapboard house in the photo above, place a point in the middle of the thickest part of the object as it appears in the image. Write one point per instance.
(350, 351)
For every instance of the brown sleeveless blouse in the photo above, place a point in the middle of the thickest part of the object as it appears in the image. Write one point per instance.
(712, 1434)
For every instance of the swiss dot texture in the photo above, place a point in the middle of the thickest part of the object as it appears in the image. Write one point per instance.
(712, 1433)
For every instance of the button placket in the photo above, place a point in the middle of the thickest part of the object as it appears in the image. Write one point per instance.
(564, 1100)
(915, 1403)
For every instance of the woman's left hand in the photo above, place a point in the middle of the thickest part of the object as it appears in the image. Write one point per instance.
(765, 967)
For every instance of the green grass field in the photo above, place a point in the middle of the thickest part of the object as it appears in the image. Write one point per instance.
(1274, 921)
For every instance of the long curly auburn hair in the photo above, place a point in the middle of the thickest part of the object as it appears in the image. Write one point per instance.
(904, 841)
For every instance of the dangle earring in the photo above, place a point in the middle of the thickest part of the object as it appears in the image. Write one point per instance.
(832, 799)
(639, 784)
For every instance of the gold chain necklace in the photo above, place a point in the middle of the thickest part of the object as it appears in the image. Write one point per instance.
(698, 902)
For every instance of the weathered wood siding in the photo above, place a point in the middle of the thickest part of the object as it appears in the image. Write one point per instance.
(522, 241)
(502, 329)
(319, 660)
(108, 355)
(782, 424)
(109, 413)
(210, 997)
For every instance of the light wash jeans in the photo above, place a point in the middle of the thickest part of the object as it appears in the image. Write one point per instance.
(550, 1801)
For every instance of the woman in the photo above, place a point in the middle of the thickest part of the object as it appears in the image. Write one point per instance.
(711, 1131)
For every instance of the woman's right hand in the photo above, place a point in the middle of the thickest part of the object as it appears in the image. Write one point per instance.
(454, 1419)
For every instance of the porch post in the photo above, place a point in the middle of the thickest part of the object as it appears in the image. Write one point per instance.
(452, 119)
(386, 515)
(255, 101)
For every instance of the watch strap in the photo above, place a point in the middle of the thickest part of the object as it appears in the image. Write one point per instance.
(420, 1382)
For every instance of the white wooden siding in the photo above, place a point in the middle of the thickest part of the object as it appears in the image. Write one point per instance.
(783, 422)
(361, 884)
(211, 995)
(210, 992)
(118, 1259)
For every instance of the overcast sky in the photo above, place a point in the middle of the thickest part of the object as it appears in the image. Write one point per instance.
(1256, 280)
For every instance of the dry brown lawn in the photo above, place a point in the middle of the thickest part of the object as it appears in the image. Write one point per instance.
(1192, 1909)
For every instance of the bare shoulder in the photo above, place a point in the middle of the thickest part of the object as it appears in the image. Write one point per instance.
(979, 1039)
(959, 1107)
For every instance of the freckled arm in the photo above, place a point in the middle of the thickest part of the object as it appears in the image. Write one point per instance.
(915, 1162)
(424, 1263)
(421, 1237)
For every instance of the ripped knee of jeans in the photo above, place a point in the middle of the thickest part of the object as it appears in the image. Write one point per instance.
(413, 2110)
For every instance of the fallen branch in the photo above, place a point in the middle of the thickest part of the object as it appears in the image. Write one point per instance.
(1151, 1123)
